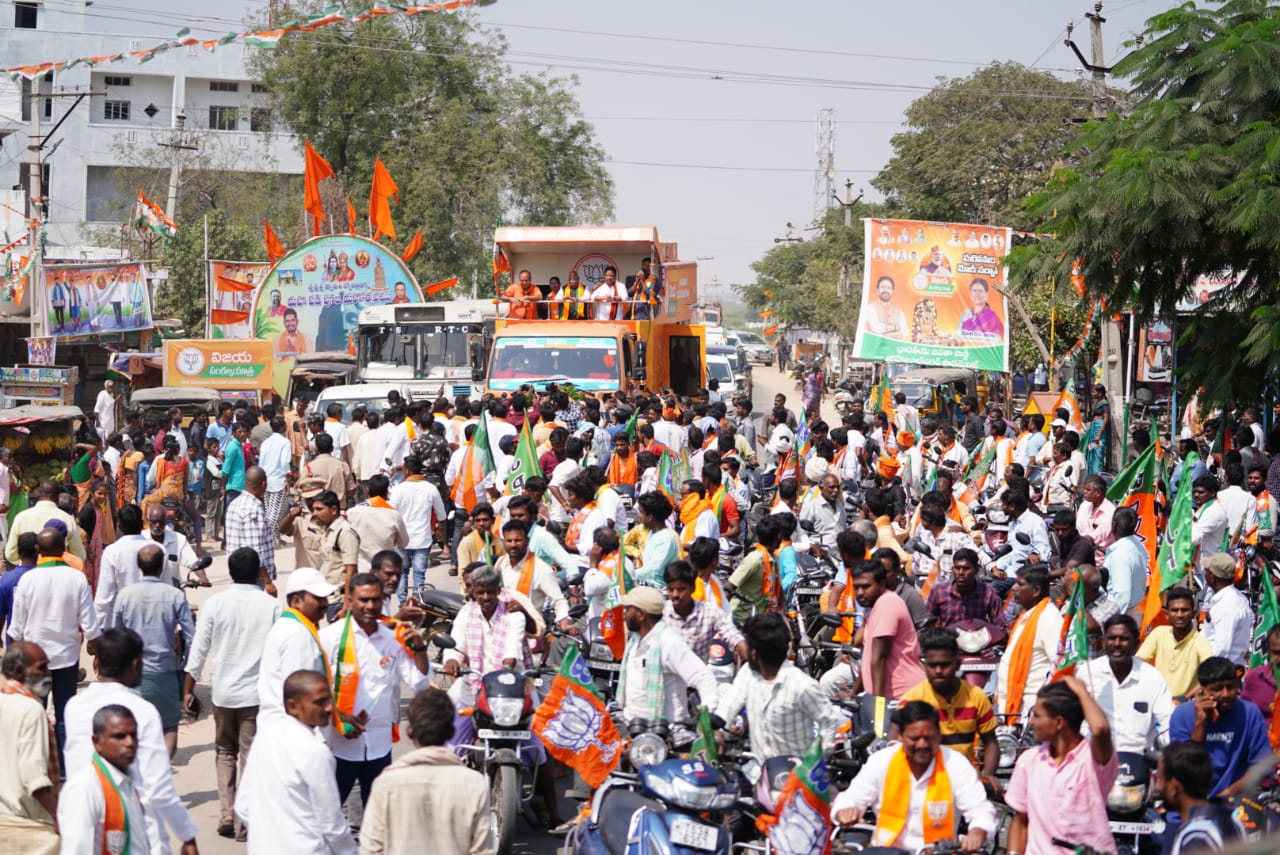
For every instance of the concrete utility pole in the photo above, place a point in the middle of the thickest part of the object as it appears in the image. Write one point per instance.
(1113, 369)
(179, 144)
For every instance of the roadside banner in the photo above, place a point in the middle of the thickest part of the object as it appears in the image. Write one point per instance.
(1155, 348)
(231, 287)
(933, 294)
(96, 299)
(218, 364)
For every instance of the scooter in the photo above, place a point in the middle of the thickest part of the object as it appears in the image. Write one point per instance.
(671, 806)
(1135, 824)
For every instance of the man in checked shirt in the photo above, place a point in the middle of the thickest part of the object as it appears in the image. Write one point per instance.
(785, 707)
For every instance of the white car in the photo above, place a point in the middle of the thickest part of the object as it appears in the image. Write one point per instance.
(372, 396)
(757, 349)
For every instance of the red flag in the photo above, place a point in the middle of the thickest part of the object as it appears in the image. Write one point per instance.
(380, 195)
(275, 250)
(414, 247)
(351, 216)
(436, 287)
(315, 170)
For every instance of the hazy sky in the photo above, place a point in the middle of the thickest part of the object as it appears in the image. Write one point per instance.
(719, 159)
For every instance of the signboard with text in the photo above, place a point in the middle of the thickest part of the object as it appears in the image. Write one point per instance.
(222, 364)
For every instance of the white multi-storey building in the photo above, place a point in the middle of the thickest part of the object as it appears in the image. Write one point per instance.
(224, 110)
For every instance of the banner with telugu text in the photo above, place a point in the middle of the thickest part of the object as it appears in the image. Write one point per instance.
(933, 294)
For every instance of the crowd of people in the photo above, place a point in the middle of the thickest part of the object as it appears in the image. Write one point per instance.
(681, 524)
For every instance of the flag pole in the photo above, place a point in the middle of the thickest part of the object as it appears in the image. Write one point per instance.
(208, 284)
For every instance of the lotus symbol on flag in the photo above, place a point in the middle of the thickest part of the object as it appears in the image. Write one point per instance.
(576, 727)
(800, 828)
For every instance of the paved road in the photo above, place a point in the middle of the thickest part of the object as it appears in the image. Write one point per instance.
(194, 772)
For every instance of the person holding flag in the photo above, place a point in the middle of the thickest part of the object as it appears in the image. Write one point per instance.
(370, 657)
(609, 576)
(919, 790)
(524, 572)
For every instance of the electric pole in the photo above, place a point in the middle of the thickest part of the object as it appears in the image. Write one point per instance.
(1113, 369)
(179, 144)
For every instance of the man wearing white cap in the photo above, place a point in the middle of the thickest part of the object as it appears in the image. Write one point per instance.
(658, 666)
(1044, 457)
(293, 643)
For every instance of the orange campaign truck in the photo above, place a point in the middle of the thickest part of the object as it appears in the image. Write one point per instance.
(597, 347)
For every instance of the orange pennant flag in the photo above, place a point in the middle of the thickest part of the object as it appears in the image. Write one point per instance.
(771, 329)
(226, 283)
(443, 285)
(275, 250)
(414, 247)
(380, 195)
(316, 169)
(351, 216)
(227, 317)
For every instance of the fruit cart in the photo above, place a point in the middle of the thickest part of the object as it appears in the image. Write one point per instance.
(41, 438)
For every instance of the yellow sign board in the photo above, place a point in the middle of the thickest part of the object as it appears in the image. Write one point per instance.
(221, 364)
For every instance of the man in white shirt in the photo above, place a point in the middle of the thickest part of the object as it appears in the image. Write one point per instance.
(368, 449)
(1239, 504)
(289, 796)
(1208, 519)
(118, 568)
(293, 643)
(82, 808)
(902, 825)
(119, 666)
(1229, 626)
(104, 410)
(36, 517)
(1132, 693)
(52, 606)
(276, 459)
(179, 556)
(565, 469)
(524, 572)
(335, 428)
(658, 668)
(587, 517)
(1041, 618)
(905, 417)
(498, 427)
(383, 663)
(610, 296)
(422, 510)
(668, 433)
(236, 623)
(1023, 520)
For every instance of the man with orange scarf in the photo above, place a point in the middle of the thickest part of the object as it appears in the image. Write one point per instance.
(919, 790)
(697, 517)
(757, 580)
(1032, 653)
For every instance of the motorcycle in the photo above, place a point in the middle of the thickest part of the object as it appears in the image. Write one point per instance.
(175, 516)
(665, 805)
(981, 646)
(1135, 824)
(844, 402)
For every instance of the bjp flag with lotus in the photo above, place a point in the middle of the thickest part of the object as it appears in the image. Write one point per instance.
(574, 726)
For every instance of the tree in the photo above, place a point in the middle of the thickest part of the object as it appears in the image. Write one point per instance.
(974, 150)
(1184, 184)
(469, 144)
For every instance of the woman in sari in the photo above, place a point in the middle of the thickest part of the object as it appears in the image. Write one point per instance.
(98, 529)
(86, 469)
(1098, 435)
(171, 478)
(127, 477)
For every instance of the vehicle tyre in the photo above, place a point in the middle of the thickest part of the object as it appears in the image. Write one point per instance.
(504, 800)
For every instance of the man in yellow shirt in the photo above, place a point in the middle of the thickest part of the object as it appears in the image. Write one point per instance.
(1178, 649)
(964, 711)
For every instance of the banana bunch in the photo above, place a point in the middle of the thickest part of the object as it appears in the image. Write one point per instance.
(13, 443)
(43, 444)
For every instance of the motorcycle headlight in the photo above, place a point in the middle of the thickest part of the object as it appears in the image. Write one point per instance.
(647, 749)
(600, 652)
(687, 795)
(1127, 800)
(1007, 744)
(506, 711)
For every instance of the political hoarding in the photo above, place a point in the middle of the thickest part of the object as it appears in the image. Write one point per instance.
(933, 294)
(1155, 353)
(96, 299)
(231, 288)
(311, 299)
(218, 364)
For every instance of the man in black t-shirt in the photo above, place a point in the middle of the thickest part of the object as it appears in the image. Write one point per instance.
(1074, 548)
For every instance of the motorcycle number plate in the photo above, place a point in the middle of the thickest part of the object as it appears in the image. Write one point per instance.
(1132, 827)
(514, 735)
(686, 832)
(808, 592)
(978, 666)
(596, 665)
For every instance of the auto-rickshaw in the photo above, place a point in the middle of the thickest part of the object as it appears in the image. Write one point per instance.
(938, 391)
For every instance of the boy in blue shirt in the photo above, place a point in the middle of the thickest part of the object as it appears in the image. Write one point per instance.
(1232, 730)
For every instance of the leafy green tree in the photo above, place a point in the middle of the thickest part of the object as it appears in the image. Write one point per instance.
(469, 143)
(1184, 184)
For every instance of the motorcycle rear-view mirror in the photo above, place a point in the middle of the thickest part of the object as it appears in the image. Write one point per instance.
(832, 621)
(1023, 538)
(202, 563)
(579, 610)
(1002, 551)
(862, 740)
(444, 641)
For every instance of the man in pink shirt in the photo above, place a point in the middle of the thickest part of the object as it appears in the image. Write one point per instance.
(1093, 518)
(1059, 788)
(890, 649)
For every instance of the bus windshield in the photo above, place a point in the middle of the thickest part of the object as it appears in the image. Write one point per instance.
(431, 349)
(588, 362)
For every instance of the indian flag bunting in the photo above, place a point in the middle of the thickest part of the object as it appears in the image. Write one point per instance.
(147, 214)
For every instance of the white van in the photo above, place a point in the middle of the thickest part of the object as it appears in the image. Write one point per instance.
(372, 396)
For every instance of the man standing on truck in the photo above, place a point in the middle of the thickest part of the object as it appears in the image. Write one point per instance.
(609, 297)
(523, 297)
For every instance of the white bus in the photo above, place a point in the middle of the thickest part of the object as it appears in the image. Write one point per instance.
(434, 349)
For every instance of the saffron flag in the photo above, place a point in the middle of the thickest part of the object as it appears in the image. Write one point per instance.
(351, 216)
(771, 329)
(1177, 553)
(477, 463)
(315, 170)
(414, 247)
(346, 676)
(148, 215)
(612, 629)
(803, 823)
(1068, 400)
(443, 285)
(275, 249)
(1073, 642)
(227, 317)
(384, 189)
(525, 465)
(882, 399)
(574, 726)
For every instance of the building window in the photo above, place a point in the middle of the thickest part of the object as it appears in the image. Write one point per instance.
(260, 120)
(223, 86)
(223, 119)
(109, 80)
(115, 111)
(25, 15)
(258, 88)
